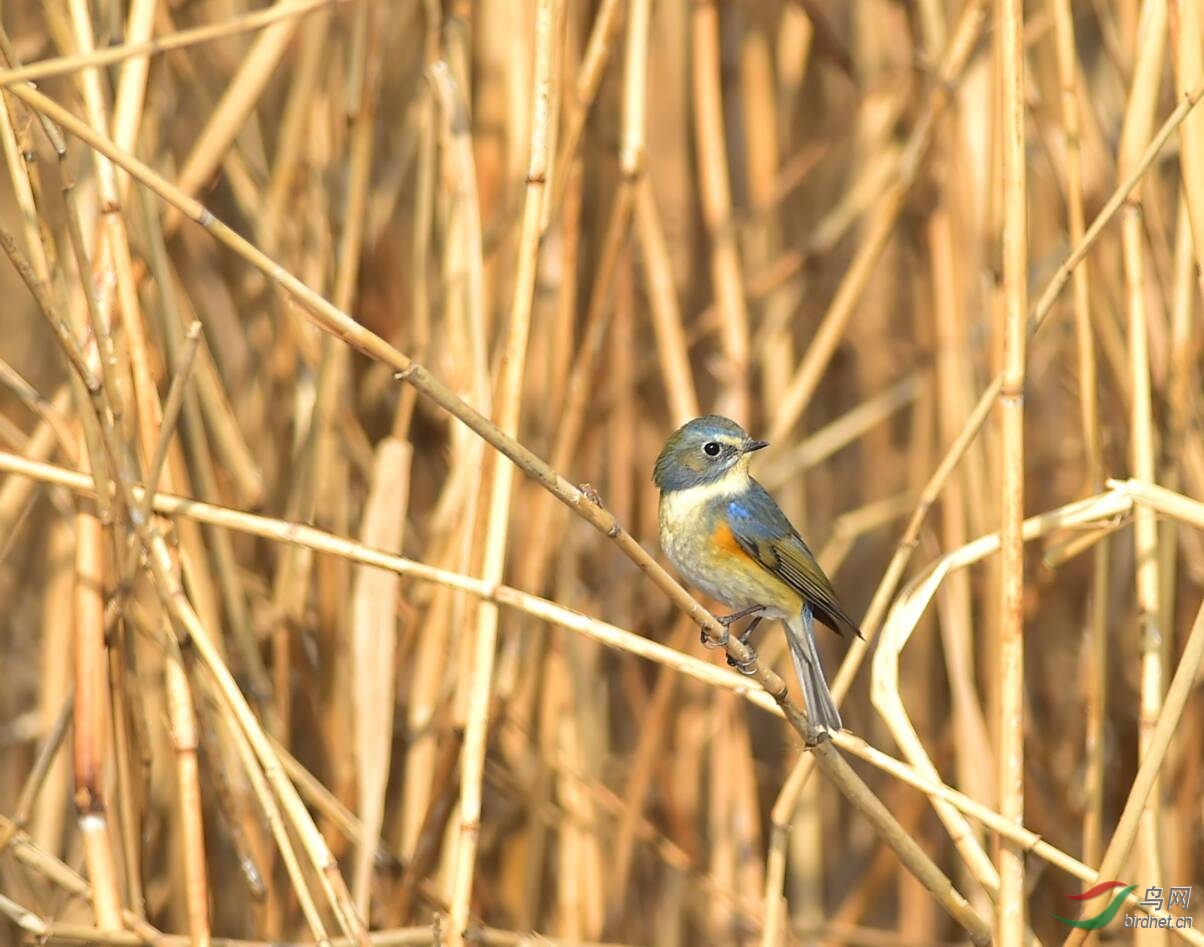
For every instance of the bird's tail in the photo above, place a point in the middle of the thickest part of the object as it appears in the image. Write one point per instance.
(821, 708)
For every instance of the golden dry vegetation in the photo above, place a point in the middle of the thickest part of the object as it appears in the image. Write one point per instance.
(404, 296)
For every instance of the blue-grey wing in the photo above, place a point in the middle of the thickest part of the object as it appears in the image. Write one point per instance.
(764, 532)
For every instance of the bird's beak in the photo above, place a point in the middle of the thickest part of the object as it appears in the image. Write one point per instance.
(750, 446)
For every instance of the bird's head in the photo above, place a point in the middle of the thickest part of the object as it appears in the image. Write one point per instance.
(703, 451)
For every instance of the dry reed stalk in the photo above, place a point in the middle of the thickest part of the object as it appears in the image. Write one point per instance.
(154, 439)
(671, 344)
(506, 414)
(58, 617)
(593, 63)
(1006, 829)
(89, 747)
(1009, 725)
(43, 811)
(725, 266)
(560, 345)
(24, 851)
(1186, 24)
(436, 822)
(374, 611)
(429, 665)
(397, 937)
(718, 921)
(240, 96)
(14, 118)
(320, 541)
(872, 878)
(978, 415)
(640, 772)
(374, 598)
(955, 385)
(293, 124)
(229, 444)
(1145, 784)
(114, 252)
(91, 718)
(41, 445)
(187, 625)
(540, 834)
(95, 542)
(581, 390)
(45, 410)
(277, 826)
(1179, 385)
(171, 412)
(745, 818)
(129, 101)
(262, 754)
(794, 49)
(871, 624)
(113, 264)
(184, 737)
(1089, 410)
(465, 318)
(611, 806)
(244, 835)
(761, 125)
(16, 140)
(201, 465)
(840, 433)
(580, 891)
(890, 202)
(1147, 72)
(121, 52)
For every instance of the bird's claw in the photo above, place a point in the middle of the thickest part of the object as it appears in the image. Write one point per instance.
(726, 621)
(748, 665)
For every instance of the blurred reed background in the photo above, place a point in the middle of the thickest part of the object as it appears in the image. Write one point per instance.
(590, 221)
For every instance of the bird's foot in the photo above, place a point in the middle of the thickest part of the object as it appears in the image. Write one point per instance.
(727, 621)
(749, 664)
(746, 667)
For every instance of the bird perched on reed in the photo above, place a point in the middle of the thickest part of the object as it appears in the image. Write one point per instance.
(728, 537)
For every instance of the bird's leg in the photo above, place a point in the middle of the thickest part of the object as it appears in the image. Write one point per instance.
(746, 667)
(726, 621)
(752, 626)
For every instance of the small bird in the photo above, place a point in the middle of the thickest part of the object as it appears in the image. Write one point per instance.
(728, 537)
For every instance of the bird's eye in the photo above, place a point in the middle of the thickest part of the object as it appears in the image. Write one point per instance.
(711, 448)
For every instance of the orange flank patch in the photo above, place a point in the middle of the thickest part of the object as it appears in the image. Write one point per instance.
(725, 540)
